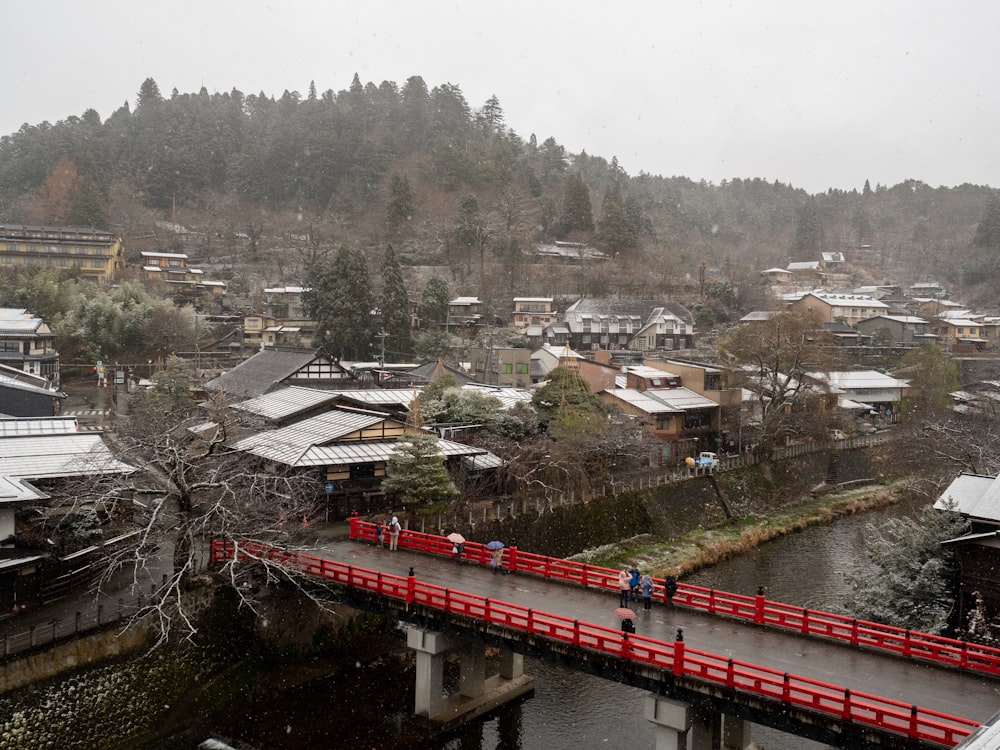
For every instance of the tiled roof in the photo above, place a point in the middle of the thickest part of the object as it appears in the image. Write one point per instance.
(262, 372)
(641, 308)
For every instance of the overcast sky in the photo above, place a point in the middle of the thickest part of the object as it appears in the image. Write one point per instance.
(814, 94)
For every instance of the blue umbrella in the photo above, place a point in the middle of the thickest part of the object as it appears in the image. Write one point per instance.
(494, 545)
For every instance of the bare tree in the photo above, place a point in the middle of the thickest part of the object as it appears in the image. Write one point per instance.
(202, 491)
(772, 360)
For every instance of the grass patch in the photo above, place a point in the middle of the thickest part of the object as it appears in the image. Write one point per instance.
(704, 547)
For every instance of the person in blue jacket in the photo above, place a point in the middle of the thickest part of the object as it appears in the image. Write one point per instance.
(647, 591)
(634, 581)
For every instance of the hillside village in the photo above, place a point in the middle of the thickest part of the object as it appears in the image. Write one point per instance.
(337, 424)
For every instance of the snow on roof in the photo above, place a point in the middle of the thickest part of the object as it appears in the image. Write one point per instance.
(972, 495)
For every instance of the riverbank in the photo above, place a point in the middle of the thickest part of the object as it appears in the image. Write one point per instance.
(705, 546)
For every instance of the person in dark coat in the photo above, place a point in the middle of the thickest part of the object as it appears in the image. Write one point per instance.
(634, 580)
(628, 626)
(670, 588)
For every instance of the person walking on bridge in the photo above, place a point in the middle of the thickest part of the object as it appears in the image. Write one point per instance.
(624, 587)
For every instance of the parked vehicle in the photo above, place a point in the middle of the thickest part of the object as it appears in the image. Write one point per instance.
(708, 460)
(838, 435)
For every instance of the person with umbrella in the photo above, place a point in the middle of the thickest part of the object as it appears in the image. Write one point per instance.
(458, 542)
(497, 560)
(625, 615)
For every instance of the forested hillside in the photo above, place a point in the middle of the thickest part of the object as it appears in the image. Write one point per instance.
(268, 186)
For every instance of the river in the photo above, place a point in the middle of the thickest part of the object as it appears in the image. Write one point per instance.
(570, 709)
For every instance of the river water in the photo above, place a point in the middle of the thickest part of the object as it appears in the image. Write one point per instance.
(570, 709)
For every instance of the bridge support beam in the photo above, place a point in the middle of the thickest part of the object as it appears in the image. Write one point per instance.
(708, 730)
(477, 694)
(673, 720)
(736, 733)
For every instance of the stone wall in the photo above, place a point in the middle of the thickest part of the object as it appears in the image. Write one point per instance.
(79, 652)
(672, 510)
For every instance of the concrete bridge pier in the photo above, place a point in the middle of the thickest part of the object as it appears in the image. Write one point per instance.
(708, 730)
(477, 694)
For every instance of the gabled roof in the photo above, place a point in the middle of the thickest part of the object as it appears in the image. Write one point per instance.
(431, 371)
(51, 456)
(803, 265)
(287, 444)
(847, 300)
(643, 309)
(759, 316)
(904, 319)
(972, 495)
(262, 372)
(37, 426)
(286, 402)
(16, 321)
(662, 400)
(18, 491)
(349, 453)
(846, 380)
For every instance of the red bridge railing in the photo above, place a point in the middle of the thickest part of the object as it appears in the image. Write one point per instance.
(758, 609)
(864, 708)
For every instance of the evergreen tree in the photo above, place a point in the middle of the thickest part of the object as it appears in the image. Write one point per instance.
(909, 583)
(809, 231)
(491, 115)
(988, 231)
(470, 233)
(89, 207)
(434, 302)
(394, 304)
(417, 472)
(577, 214)
(615, 231)
(566, 392)
(339, 299)
(401, 201)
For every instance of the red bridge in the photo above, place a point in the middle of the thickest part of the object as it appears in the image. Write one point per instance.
(831, 678)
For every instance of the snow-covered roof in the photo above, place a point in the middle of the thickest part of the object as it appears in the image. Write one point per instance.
(972, 495)
(60, 455)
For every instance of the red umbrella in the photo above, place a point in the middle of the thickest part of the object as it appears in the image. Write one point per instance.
(624, 613)
(456, 538)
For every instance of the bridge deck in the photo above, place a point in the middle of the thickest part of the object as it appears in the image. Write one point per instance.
(953, 692)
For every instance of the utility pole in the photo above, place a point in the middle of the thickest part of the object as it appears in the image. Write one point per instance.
(382, 336)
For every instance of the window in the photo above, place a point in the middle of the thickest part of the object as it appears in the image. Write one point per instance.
(506, 368)
(521, 368)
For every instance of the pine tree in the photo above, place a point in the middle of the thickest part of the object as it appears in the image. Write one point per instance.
(434, 302)
(417, 472)
(908, 584)
(988, 231)
(400, 205)
(339, 299)
(809, 231)
(394, 304)
(615, 231)
(577, 214)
